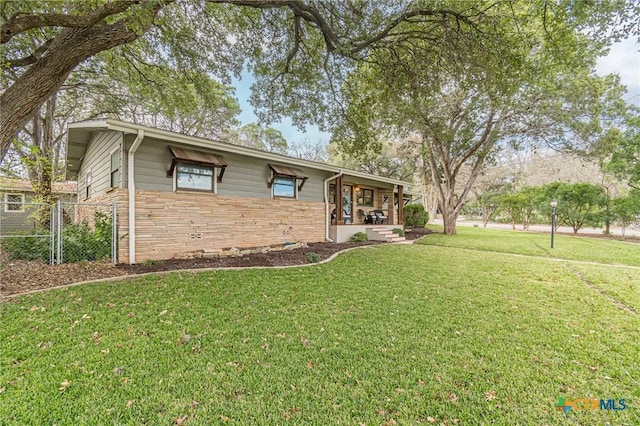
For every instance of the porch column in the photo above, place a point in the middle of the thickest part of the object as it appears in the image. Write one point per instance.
(390, 208)
(400, 205)
(339, 205)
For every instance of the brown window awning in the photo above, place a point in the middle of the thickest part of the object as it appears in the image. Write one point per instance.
(289, 172)
(183, 155)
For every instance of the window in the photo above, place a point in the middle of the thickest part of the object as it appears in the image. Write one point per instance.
(195, 177)
(365, 197)
(115, 169)
(14, 203)
(332, 193)
(286, 181)
(196, 170)
(88, 186)
(284, 187)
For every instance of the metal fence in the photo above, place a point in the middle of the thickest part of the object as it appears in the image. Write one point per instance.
(61, 233)
(27, 231)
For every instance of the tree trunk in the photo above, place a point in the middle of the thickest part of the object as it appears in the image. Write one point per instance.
(69, 48)
(449, 220)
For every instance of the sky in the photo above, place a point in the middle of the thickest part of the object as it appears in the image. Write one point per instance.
(623, 59)
(288, 130)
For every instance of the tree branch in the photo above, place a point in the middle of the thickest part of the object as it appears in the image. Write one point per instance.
(70, 47)
(406, 17)
(31, 59)
(296, 43)
(312, 15)
(20, 23)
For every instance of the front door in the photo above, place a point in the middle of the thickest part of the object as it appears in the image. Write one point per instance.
(347, 203)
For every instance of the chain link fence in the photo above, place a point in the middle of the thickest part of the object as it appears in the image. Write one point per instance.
(65, 232)
(91, 236)
(27, 231)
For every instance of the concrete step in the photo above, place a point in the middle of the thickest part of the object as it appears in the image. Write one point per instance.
(383, 235)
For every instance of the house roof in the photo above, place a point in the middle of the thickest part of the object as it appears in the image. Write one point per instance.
(79, 134)
(8, 184)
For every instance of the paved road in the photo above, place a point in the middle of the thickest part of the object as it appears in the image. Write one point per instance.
(615, 230)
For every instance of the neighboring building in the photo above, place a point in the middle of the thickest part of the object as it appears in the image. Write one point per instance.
(179, 194)
(17, 203)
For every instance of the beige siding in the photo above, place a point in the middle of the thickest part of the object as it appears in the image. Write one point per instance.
(97, 160)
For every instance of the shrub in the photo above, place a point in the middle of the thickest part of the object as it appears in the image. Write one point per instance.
(415, 216)
(398, 231)
(28, 245)
(359, 237)
(313, 257)
(79, 243)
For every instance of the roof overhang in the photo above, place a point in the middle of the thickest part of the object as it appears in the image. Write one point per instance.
(23, 185)
(79, 134)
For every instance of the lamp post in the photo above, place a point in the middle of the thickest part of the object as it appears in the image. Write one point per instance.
(554, 204)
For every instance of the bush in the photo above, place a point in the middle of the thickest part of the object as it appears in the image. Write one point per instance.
(28, 245)
(359, 237)
(313, 257)
(398, 231)
(79, 243)
(415, 216)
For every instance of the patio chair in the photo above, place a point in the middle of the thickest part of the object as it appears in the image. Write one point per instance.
(379, 216)
(367, 218)
(346, 217)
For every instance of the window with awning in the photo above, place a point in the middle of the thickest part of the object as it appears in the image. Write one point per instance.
(281, 174)
(189, 159)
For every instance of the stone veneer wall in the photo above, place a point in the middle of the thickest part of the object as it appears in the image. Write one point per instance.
(176, 224)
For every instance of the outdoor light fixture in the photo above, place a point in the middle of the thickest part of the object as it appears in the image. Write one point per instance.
(554, 204)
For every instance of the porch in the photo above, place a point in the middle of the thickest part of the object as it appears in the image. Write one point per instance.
(353, 201)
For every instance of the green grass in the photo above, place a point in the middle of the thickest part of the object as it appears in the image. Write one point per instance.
(622, 285)
(406, 334)
(538, 244)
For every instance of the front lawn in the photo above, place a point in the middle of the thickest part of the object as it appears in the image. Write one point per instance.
(538, 244)
(383, 335)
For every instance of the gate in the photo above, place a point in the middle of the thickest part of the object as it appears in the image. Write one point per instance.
(63, 233)
(86, 232)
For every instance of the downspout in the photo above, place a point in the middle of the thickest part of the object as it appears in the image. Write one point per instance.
(327, 216)
(131, 186)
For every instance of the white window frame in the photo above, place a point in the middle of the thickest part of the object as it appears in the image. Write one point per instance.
(284, 197)
(214, 178)
(119, 170)
(7, 202)
(88, 181)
